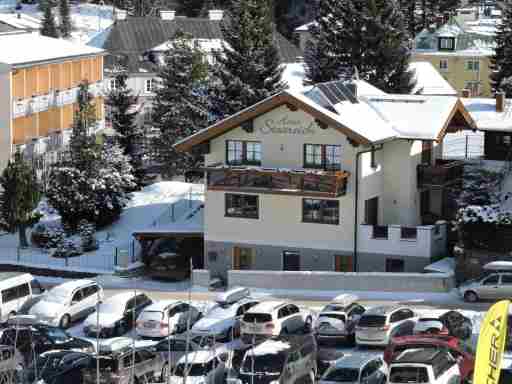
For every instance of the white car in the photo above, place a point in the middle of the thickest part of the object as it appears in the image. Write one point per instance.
(338, 319)
(429, 325)
(222, 322)
(379, 324)
(165, 318)
(424, 366)
(68, 302)
(273, 318)
(202, 366)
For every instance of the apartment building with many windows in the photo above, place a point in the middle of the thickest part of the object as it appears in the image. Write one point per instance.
(39, 80)
(341, 177)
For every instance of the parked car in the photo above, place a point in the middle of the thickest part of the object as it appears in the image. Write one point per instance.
(496, 283)
(17, 290)
(168, 259)
(274, 318)
(505, 376)
(171, 349)
(123, 364)
(326, 355)
(338, 319)
(430, 326)
(117, 315)
(164, 318)
(450, 323)
(222, 322)
(357, 369)
(425, 366)
(281, 360)
(379, 324)
(203, 366)
(462, 352)
(11, 364)
(32, 338)
(58, 367)
(68, 302)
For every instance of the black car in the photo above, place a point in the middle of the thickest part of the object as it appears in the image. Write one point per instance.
(116, 315)
(58, 367)
(35, 339)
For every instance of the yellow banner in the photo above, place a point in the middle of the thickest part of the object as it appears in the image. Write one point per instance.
(491, 344)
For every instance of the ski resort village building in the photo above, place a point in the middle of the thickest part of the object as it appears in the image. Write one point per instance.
(341, 177)
(39, 79)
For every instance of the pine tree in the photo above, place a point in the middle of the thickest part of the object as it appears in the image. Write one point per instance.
(121, 103)
(501, 61)
(248, 68)
(48, 25)
(367, 36)
(180, 104)
(65, 19)
(19, 198)
(92, 184)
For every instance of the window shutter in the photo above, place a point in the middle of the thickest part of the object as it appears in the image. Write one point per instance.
(337, 263)
(349, 264)
(236, 258)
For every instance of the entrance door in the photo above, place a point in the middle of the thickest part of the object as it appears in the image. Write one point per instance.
(371, 211)
(291, 261)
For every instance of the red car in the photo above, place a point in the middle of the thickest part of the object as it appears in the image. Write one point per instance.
(463, 353)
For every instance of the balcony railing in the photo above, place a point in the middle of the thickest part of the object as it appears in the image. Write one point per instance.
(441, 174)
(271, 180)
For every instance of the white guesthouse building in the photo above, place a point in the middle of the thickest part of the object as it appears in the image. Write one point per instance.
(341, 177)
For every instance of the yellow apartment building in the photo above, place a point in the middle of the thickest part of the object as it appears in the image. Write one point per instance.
(461, 57)
(39, 80)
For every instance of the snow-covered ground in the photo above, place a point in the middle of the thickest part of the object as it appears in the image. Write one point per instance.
(88, 19)
(161, 205)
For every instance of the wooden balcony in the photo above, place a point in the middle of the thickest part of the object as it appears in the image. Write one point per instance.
(442, 174)
(314, 183)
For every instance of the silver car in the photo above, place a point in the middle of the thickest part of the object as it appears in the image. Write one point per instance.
(492, 286)
(357, 369)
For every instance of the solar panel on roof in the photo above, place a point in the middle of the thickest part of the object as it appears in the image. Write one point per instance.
(337, 92)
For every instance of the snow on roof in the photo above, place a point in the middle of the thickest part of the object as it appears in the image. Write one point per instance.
(498, 266)
(450, 30)
(446, 265)
(38, 48)
(269, 347)
(20, 21)
(202, 355)
(483, 111)
(356, 361)
(294, 75)
(266, 306)
(70, 286)
(366, 89)
(304, 27)
(429, 114)
(429, 81)
(121, 297)
(161, 305)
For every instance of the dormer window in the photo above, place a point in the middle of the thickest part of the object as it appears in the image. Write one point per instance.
(446, 44)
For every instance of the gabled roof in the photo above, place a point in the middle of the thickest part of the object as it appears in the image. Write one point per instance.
(365, 120)
(135, 36)
(483, 111)
(429, 81)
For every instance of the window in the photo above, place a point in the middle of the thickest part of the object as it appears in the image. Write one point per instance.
(148, 85)
(472, 65)
(77, 297)
(15, 293)
(283, 312)
(343, 263)
(443, 65)
(446, 43)
(410, 374)
(243, 206)
(243, 152)
(112, 84)
(242, 258)
(492, 280)
(473, 87)
(291, 261)
(506, 279)
(147, 116)
(322, 156)
(371, 211)
(394, 265)
(321, 211)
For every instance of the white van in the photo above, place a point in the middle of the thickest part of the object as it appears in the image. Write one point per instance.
(16, 289)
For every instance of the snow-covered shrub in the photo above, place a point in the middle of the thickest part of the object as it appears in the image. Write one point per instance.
(47, 236)
(88, 240)
(66, 248)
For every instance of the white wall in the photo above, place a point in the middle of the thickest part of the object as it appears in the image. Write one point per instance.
(5, 115)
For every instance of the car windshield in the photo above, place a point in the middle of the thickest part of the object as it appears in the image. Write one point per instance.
(333, 308)
(54, 296)
(408, 375)
(269, 364)
(194, 369)
(372, 321)
(57, 335)
(257, 318)
(151, 316)
(342, 375)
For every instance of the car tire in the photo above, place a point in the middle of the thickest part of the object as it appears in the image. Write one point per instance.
(470, 297)
(65, 321)
(165, 372)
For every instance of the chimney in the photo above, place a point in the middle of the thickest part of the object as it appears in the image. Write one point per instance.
(120, 14)
(465, 93)
(500, 102)
(215, 14)
(167, 15)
